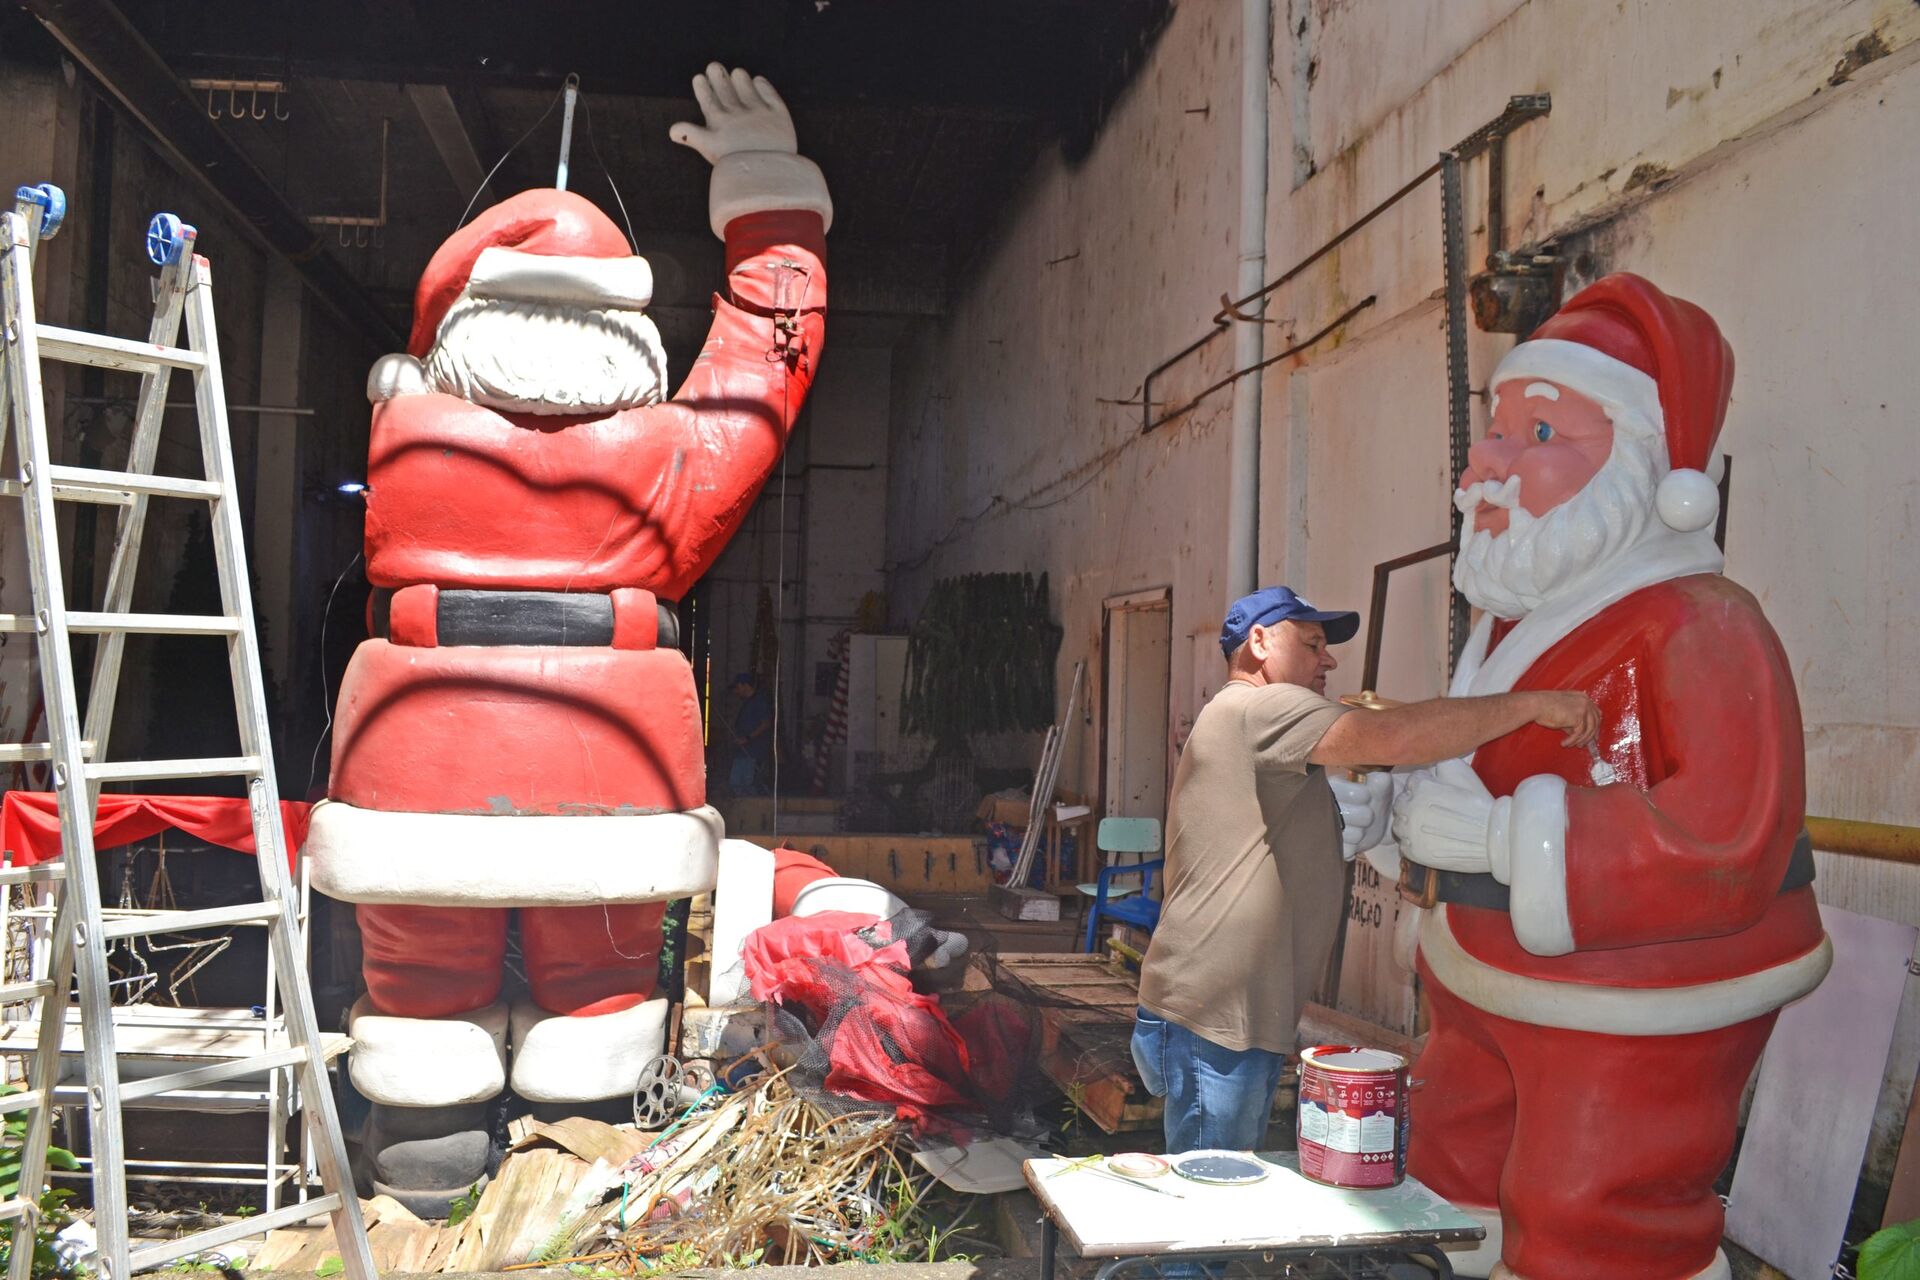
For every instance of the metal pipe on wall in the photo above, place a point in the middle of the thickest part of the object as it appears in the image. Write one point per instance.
(1249, 340)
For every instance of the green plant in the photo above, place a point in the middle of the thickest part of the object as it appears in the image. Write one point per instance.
(980, 658)
(1892, 1253)
(331, 1265)
(463, 1206)
(53, 1204)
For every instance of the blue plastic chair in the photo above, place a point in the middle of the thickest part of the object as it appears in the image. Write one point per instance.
(1142, 910)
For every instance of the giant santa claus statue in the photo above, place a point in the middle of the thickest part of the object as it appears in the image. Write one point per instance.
(1618, 928)
(521, 734)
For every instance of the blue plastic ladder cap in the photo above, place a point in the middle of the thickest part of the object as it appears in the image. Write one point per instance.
(167, 239)
(53, 206)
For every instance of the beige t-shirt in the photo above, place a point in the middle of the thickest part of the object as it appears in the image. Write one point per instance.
(1253, 875)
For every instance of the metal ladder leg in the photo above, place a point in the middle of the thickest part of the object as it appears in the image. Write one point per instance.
(249, 692)
(80, 896)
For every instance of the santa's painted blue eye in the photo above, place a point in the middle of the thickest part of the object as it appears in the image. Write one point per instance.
(1542, 432)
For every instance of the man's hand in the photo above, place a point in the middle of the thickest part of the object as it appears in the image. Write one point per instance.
(1574, 713)
(743, 113)
(1446, 818)
(1366, 810)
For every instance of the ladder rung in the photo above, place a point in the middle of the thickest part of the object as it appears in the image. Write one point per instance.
(103, 352)
(285, 1216)
(119, 482)
(32, 753)
(38, 873)
(14, 992)
(68, 493)
(12, 1102)
(18, 1208)
(179, 921)
(159, 624)
(212, 1073)
(154, 770)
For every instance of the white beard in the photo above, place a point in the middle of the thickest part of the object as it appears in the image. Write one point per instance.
(1539, 558)
(549, 358)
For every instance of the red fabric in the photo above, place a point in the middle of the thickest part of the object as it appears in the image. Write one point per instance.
(886, 1043)
(1673, 876)
(1670, 340)
(792, 872)
(518, 729)
(435, 962)
(542, 221)
(465, 496)
(1600, 1151)
(30, 822)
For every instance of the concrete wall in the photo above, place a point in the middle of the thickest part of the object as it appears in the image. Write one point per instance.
(1754, 157)
(1009, 451)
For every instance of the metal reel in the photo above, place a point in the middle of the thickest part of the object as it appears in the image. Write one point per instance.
(663, 1092)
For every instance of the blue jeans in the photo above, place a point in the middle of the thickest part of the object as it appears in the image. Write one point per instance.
(1217, 1098)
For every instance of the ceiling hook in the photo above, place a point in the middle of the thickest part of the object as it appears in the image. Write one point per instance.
(277, 95)
(233, 101)
(361, 237)
(259, 112)
(213, 112)
(340, 233)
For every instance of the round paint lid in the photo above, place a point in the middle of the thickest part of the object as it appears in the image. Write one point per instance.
(1343, 1057)
(1222, 1168)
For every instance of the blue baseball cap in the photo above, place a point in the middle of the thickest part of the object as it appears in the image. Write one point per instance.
(1271, 605)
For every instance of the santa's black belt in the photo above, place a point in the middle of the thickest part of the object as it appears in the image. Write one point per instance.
(425, 616)
(1484, 891)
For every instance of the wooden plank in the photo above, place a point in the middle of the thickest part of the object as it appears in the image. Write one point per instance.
(1813, 1105)
(909, 865)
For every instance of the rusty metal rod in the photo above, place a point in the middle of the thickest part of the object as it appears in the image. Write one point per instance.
(1289, 353)
(1883, 841)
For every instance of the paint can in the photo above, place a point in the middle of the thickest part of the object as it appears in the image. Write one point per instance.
(1353, 1116)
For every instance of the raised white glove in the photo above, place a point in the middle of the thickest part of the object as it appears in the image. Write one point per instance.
(1446, 818)
(743, 113)
(1366, 809)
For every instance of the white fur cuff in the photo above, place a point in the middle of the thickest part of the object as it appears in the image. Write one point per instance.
(761, 181)
(484, 860)
(1537, 830)
(558, 1058)
(428, 1062)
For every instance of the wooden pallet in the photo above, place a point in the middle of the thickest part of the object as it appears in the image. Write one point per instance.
(1086, 1005)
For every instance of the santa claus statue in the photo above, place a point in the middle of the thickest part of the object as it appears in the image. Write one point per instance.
(521, 734)
(1618, 928)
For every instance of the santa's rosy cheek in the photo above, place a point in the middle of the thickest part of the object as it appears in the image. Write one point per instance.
(1549, 476)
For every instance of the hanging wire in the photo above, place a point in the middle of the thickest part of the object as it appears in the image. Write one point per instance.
(326, 695)
(503, 158)
(586, 117)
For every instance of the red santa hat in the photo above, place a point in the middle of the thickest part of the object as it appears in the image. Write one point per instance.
(539, 246)
(1624, 342)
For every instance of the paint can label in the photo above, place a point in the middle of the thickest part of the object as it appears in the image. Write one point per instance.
(1353, 1116)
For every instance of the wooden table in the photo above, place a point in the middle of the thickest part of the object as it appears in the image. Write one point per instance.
(1284, 1218)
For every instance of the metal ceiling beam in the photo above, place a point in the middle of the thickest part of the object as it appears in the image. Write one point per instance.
(99, 37)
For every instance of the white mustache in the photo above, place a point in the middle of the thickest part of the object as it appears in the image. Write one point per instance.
(1495, 493)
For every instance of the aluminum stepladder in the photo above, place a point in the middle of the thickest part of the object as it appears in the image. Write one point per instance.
(79, 753)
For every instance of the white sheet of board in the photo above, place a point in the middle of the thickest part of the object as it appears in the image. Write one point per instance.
(1813, 1105)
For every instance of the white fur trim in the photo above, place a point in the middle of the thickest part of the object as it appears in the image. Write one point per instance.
(760, 181)
(1591, 372)
(843, 893)
(428, 1062)
(558, 1058)
(1480, 1259)
(1662, 557)
(396, 374)
(1537, 835)
(599, 284)
(742, 902)
(474, 860)
(1620, 1011)
(1687, 500)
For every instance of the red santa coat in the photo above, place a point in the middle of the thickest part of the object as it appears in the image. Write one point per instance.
(635, 504)
(1666, 884)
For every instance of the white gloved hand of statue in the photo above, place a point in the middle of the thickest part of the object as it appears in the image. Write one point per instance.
(743, 113)
(1447, 819)
(1366, 809)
